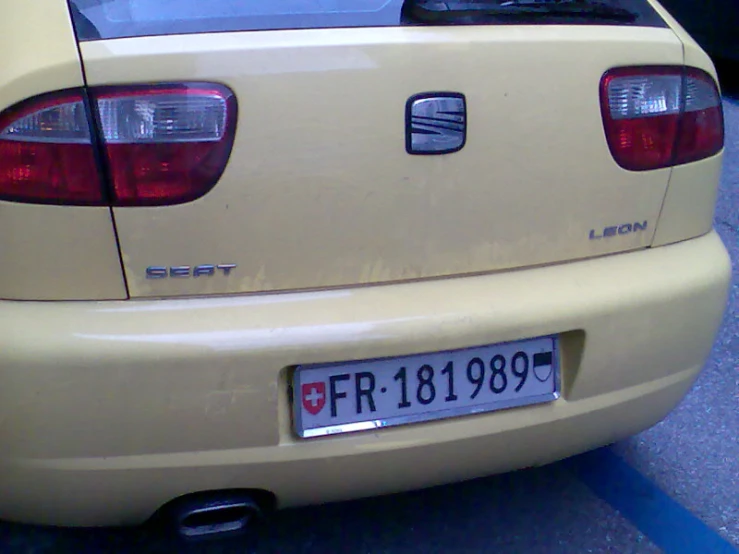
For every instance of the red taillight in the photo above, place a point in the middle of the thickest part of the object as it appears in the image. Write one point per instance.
(661, 116)
(46, 155)
(161, 144)
(165, 144)
(702, 124)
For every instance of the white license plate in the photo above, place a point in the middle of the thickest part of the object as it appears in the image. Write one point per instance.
(357, 396)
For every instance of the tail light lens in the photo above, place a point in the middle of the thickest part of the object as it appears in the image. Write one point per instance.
(46, 155)
(161, 145)
(658, 117)
(702, 124)
(165, 144)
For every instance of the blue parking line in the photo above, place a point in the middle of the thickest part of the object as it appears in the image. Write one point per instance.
(668, 524)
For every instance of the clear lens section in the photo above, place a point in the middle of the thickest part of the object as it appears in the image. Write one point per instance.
(700, 95)
(644, 96)
(60, 124)
(163, 118)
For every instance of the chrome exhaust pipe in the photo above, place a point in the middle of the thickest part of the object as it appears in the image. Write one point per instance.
(215, 516)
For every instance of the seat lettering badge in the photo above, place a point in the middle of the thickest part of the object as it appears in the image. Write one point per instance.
(618, 230)
(187, 271)
(435, 123)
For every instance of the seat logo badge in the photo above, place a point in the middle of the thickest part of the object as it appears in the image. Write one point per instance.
(435, 123)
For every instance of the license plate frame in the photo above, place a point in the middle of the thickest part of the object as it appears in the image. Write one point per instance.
(306, 375)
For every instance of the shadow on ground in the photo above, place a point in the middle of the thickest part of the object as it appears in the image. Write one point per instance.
(538, 511)
(728, 72)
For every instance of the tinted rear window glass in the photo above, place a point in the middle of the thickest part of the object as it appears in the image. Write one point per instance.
(104, 19)
(118, 18)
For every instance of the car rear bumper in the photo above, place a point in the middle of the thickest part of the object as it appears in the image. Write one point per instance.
(110, 409)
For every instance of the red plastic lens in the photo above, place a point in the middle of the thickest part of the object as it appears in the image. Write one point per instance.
(165, 144)
(49, 173)
(658, 117)
(701, 135)
(644, 143)
(158, 174)
(46, 156)
(702, 125)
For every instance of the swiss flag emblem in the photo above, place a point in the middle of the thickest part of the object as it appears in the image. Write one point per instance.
(314, 397)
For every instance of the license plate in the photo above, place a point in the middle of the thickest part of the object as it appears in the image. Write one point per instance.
(355, 396)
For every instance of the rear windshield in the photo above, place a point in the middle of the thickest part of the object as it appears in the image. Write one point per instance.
(105, 19)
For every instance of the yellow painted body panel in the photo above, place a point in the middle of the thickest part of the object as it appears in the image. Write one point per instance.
(320, 191)
(50, 252)
(691, 197)
(110, 409)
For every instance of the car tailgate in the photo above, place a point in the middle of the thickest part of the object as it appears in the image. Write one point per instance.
(320, 190)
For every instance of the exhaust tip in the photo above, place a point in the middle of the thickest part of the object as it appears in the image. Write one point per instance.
(215, 516)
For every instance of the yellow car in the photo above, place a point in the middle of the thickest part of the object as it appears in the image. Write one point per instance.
(262, 254)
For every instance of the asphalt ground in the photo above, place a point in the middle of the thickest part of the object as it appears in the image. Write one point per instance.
(673, 488)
